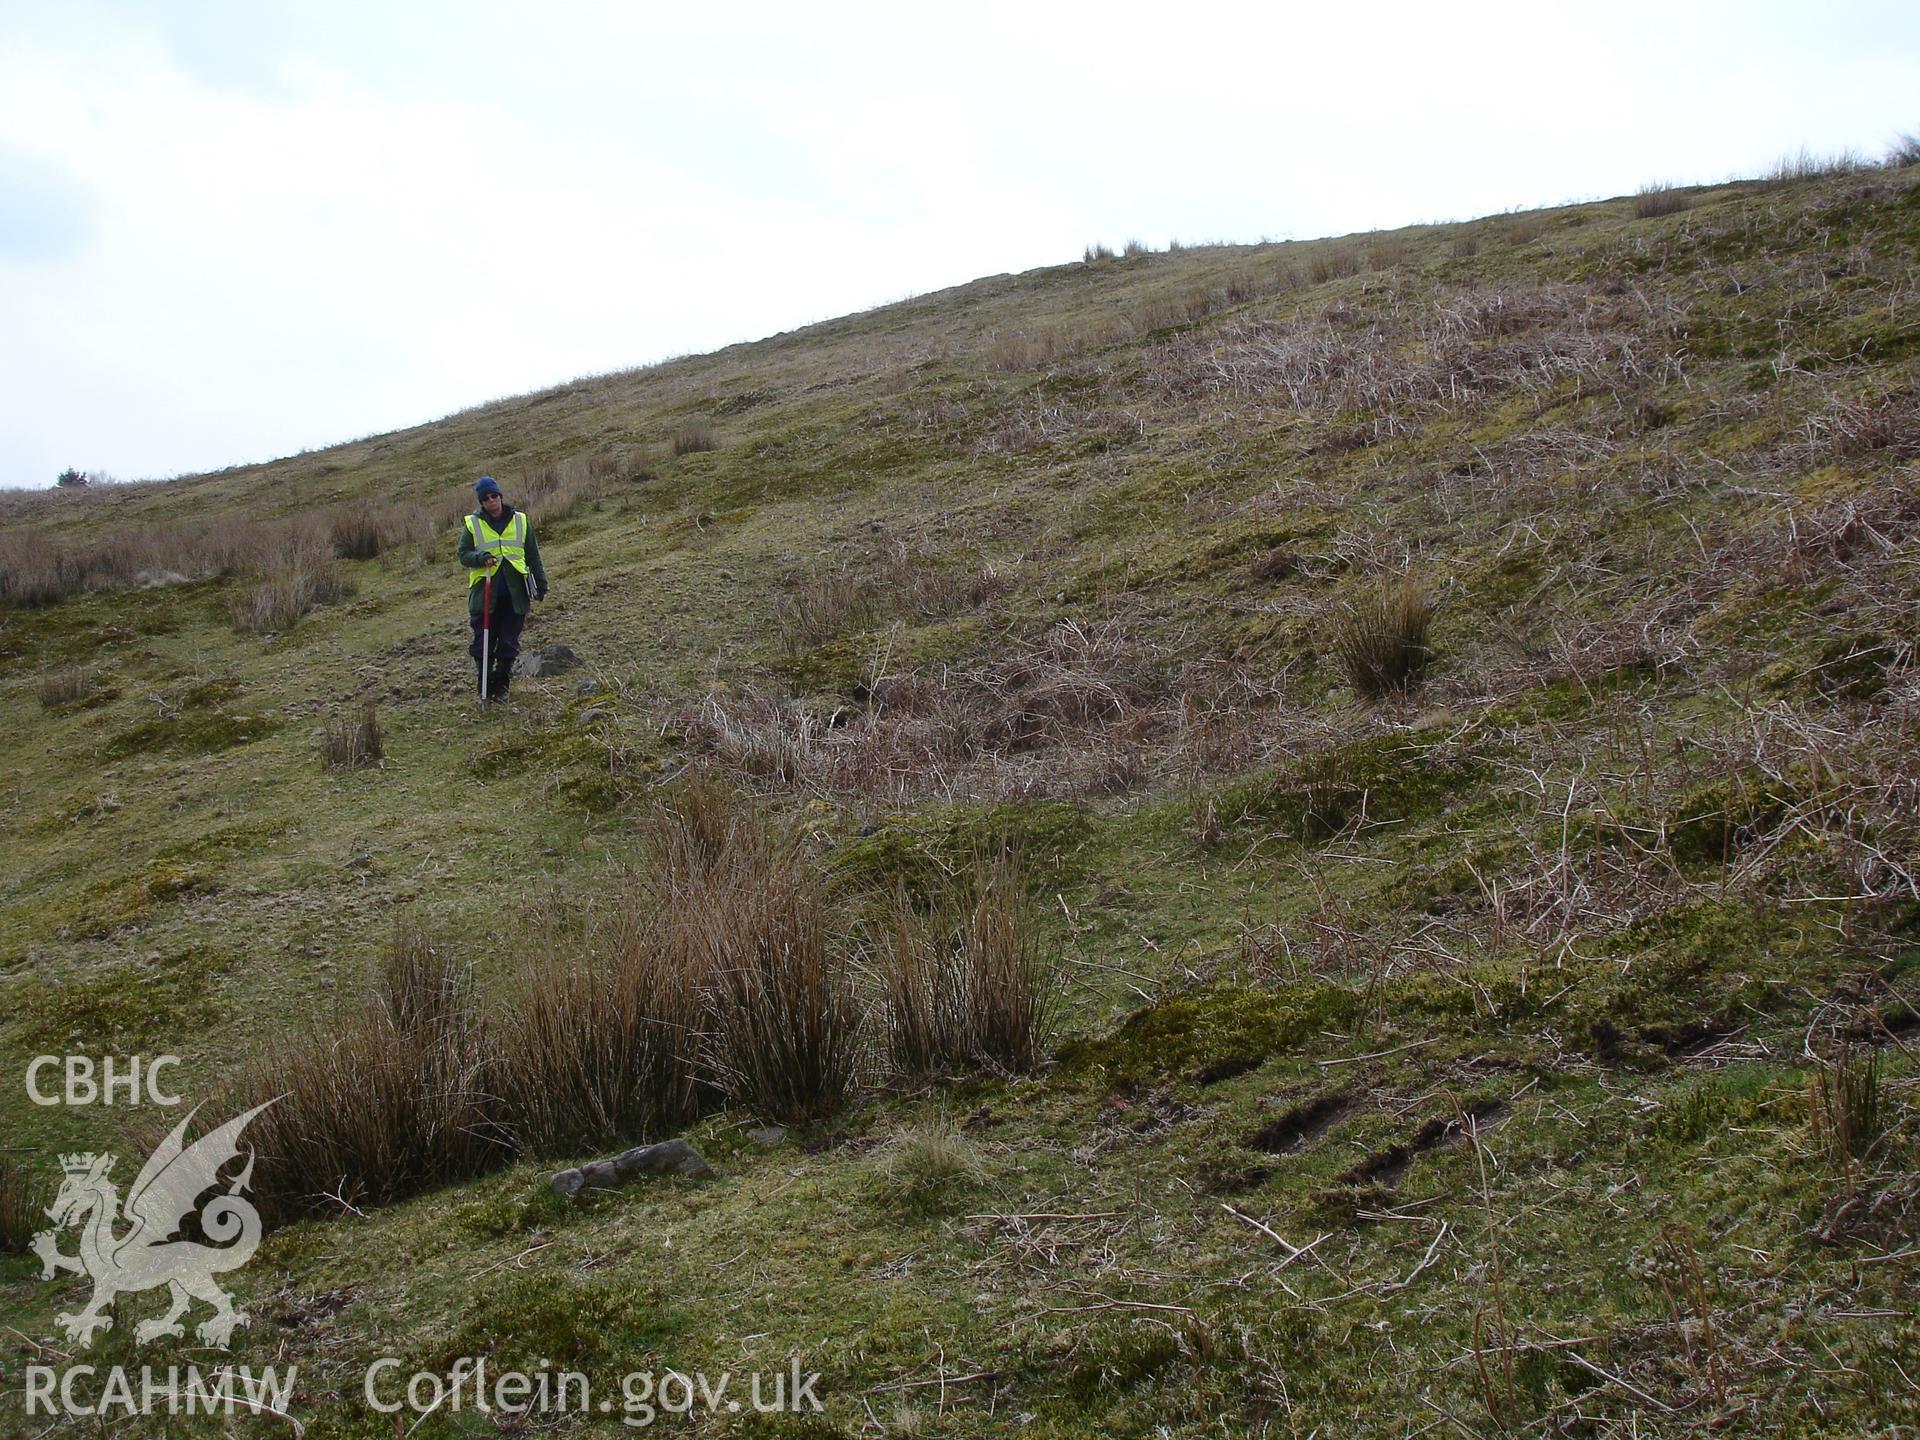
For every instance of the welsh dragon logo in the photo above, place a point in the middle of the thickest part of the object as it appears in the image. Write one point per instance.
(151, 1253)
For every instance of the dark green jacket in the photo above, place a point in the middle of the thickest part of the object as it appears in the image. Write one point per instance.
(515, 582)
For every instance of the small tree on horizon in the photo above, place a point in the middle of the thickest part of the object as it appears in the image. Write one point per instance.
(70, 477)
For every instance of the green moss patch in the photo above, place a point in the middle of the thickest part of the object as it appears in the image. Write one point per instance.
(125, 1007)
(1387, 778)
(927, 850)
(596, 1324)
(195, 730)
(1203, 1032)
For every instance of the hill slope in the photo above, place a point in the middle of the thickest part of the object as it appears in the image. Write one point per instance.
(1520, 1000)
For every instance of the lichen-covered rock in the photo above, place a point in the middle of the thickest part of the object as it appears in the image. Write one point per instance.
(553, 660)
(669, 1157)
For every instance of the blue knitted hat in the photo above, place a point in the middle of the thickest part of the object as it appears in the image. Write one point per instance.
(486, 485)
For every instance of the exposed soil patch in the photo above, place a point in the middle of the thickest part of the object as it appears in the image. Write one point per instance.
(1894, 1021)
(1685, 1039)
(1146, 1112)
(310, 1312)
(1387, 1166)
(1228, 1069)
(1302, 1123)
(1899, 1020)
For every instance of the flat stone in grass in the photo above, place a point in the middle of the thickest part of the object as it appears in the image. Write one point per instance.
(669, 1157)
(553, 660)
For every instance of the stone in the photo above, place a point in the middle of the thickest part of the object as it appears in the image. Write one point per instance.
(553, 660)
(669, 1157)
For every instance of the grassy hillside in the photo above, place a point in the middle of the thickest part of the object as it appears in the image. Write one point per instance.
(1526, 1051)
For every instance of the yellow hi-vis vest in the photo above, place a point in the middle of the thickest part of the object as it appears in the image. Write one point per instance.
(509, 545)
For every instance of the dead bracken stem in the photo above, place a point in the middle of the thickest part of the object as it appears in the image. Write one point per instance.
(1493, 1333)
(1684, 1282)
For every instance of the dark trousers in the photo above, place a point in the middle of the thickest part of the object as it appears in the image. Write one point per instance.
(506, 627)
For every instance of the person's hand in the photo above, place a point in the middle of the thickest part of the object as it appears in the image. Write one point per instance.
(541, 593)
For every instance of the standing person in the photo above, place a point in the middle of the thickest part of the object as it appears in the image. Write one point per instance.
(497, 541)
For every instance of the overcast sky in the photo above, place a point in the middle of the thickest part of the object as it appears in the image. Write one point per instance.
(236, 229)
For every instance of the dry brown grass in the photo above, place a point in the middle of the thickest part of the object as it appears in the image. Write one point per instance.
(288, 590)
(31, 570)
(1282, 562)
(1036, 421)
(786, 1032)
(1386, 251)
(390, 1098)
(594, 1052)
(809, 610)
(1523, 229)
(961, 979)
(1328, 261)
(813, 609)
(696, 824)
(604, 1041)
(551, 492)
(1454, 353)
(691, 439)
(68, 686)
(1008, 987)
(38, 570)
(1805, 164)
(717, 975)
(742, 918)
(1179, 305)
(1172, 309)
(424, 987)
(1084, 708)
(24, 1196)
(720, 973)
(1381, 641)
(1078, 676)
(1259, 280)
(1033, 349)
(356, 531)
(354, 744)
(1659, 198)
(922, 996)
(283, 556)
(1854, 428)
